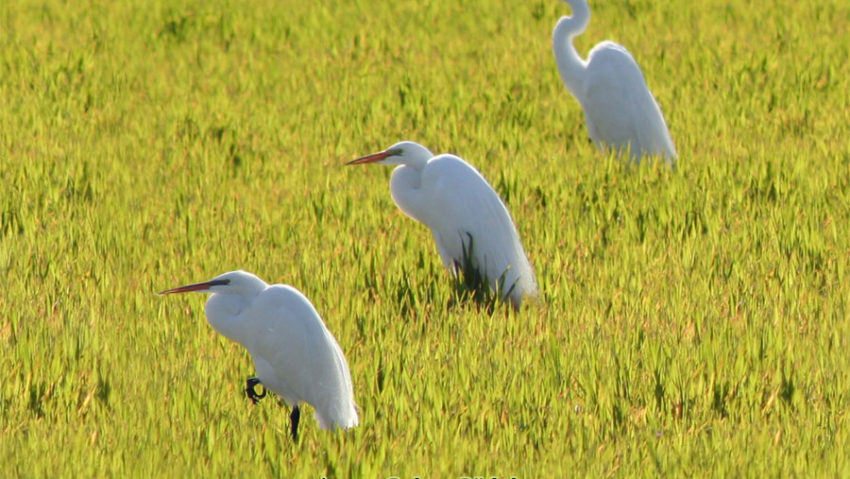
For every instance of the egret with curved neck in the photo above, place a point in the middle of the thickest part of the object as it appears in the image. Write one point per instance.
(620, 111)
(294, 354)
(471, 226)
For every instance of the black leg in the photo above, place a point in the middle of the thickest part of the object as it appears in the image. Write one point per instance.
(294, 417)
(252, 394)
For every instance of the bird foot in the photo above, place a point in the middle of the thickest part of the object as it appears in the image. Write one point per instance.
(251, 392)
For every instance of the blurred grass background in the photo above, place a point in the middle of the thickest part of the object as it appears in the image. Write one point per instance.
(690, 323)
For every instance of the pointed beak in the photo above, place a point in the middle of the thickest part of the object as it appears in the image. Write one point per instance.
(374, 157)
(196, 287)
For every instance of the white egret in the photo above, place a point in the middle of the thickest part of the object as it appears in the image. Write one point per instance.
(471, 225)
(619, 109)
(294, 354)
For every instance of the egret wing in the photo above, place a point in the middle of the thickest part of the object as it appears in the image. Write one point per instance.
(466, 206)
(619, 108)
(306, 362)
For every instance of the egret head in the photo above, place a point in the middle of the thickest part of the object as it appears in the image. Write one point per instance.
(408, 153)
(234, 282)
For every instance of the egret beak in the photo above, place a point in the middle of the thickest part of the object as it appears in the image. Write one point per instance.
(375, 157)
(196, 287)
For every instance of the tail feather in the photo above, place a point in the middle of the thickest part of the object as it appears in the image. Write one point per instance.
(345, 420)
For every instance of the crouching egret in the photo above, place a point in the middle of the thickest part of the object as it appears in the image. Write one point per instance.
(619, 109)
(294, 354)
(471, 225)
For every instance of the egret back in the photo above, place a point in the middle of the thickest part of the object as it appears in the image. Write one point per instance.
(619, 108)
(298, 358)
(455, 201)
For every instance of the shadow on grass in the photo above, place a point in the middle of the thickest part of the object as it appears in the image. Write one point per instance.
(471, 284)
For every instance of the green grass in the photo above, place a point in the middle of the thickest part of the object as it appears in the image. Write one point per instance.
(690, 323)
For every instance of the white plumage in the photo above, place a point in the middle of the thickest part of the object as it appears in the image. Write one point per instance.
(452, 198)
(619, 109)
(294, 354)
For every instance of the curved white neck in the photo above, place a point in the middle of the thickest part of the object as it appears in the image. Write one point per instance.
(404, 187)
(223, 312)
(570, 65)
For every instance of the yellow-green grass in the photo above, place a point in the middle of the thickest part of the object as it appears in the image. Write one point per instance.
(690, 323)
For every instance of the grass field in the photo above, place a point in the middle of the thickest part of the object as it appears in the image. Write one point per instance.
(691, 323)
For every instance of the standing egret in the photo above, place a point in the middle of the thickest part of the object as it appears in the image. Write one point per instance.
(464, 214)
(294, 353)
(619, 109)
